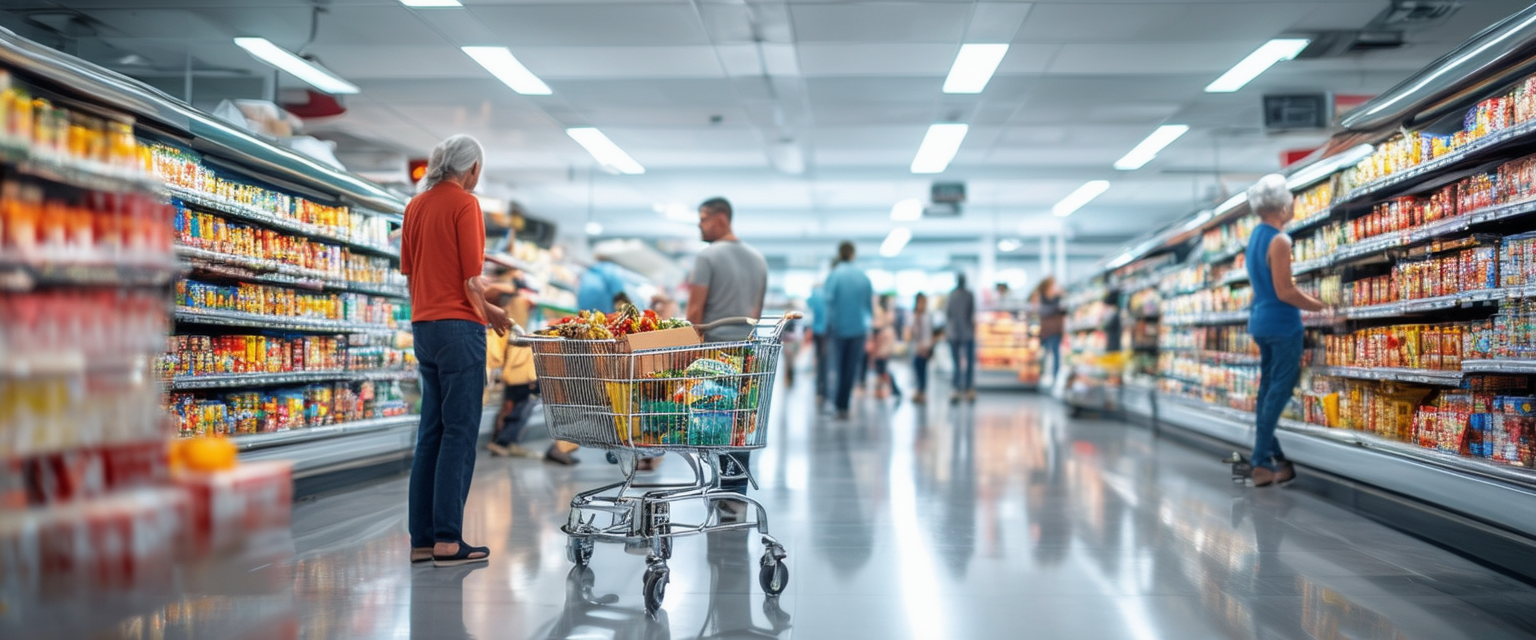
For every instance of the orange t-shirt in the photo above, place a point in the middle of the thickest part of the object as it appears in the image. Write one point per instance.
(442, 246)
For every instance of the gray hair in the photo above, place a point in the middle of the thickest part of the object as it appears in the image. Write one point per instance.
(1269, 195)
(452, 158)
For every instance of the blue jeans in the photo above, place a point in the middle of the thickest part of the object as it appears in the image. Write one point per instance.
(920, 371)
(848, 353)
(964, 351)
(821, 364)
(1279, 368)
(1052, 347)
(450, 355)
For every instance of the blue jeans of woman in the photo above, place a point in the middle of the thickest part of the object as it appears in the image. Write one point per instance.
(849, 355)
(1052, 347)
(450, 356)
(1279, 368)
(920, 371)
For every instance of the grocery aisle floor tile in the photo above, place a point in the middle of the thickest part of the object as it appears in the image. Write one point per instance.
(1002, 519)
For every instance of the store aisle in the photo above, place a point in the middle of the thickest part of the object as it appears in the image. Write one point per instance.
(998, 520)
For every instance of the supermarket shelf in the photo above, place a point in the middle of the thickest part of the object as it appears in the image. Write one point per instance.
(1299, 226)
(291, 323)
(1404, 307)
(1396, 374)
(1220, 317)
(92, 176)
(1527, 367)
(1498, 494)
(1448, 162)
(251, 214)
(279, 438)
(1308, 266)
(244, 380)
(300, 275)
(1234, 276)
(318, 451)
(1223, 256)
(18, 275)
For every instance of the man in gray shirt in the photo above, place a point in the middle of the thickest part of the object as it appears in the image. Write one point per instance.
(960, 329)
(729, 280)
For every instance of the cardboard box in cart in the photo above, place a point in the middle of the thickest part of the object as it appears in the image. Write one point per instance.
(631, 370)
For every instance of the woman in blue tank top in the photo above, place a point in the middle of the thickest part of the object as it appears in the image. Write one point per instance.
(1274, 321)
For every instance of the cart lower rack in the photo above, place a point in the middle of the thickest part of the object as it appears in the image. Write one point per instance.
(702, 401)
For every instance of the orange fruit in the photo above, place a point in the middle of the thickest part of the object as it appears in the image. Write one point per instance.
(208, 454)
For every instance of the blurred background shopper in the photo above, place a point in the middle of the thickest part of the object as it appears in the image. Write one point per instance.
(729, 280)
(850, 300)
(921, 335)
(1053, 323)
(960, 329)
(442, 252)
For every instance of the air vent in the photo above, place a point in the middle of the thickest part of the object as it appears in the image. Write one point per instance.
(1414, 13)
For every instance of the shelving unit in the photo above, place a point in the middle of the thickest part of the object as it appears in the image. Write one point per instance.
(1433, 289)
(1007, 348)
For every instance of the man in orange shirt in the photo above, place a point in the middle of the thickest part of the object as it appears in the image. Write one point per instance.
(442, 251)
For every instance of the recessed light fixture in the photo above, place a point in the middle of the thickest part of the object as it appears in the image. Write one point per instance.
(505, 66)
(939, 147)
(604, 150)
(1277, 50)
(1148, 149)
(973, 67)
(895, 241)
(1009, 245)
(1083, 195)
(431, 3)
(594, 228)
(317, 76)
(907, 210)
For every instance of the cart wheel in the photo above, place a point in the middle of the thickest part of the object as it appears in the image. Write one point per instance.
(613, 458)
(774, 575)
(578, 550)
(655, 586)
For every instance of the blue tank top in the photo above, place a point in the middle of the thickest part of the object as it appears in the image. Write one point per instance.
(1269, 316)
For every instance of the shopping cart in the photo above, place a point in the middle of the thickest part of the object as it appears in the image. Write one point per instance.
(698, 401)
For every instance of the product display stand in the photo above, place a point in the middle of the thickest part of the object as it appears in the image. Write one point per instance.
(1007, 349)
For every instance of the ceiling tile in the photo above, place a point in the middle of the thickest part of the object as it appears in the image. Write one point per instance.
(889, 22)
(567, 24)
(621, 62)
(876, 59)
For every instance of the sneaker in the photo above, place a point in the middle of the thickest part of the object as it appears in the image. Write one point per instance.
(1262, 476)
(918, 398)
(559, 457)
(731, 511)
(498, 450)
(1287, 473)
(970, 396)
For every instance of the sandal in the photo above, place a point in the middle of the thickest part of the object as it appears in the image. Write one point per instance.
(463, 556)
(421, 554)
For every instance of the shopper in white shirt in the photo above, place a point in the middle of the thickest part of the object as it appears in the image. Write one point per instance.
(921, 335)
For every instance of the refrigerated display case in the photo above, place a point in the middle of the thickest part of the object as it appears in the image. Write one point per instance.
(1007, 348)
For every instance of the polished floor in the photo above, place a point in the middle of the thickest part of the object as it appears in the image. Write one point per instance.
(998, 520)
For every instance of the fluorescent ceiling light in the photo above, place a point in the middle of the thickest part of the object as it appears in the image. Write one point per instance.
(1083, 195)
(431, 3)
(907, 210)
(1264, 57)
(1147, 150)
(604, 150)
(317, 76)
(895, 242)
(502, 64)
(594, 229)
(974, 67)
(676, 211)
(1009, 245)
(939, 147)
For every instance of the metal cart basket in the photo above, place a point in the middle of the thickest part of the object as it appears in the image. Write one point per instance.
(698, 401)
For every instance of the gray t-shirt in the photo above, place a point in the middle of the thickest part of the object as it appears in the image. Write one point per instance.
(960, 315)
(737, 277)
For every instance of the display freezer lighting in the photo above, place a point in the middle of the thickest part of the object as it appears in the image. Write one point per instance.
(895, 242)
(939, 147)
(973, 67)
(1149, 148)
(907, 210)
(604, 150)
(1277, 50)
(311, 73)
(1083, 195)
(505, 66)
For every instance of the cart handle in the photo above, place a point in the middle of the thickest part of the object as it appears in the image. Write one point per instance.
(757, 324)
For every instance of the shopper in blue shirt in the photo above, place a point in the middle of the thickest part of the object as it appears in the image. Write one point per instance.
(1274, 320)
(817, 306)
(599, 286)
(850, 304)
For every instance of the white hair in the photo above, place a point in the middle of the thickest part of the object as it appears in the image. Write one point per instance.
(1269, 195)
(452, 158)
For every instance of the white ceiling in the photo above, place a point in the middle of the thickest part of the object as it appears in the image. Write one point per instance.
(853, 85)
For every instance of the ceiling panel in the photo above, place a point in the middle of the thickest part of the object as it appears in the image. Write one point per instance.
(583, 24)
(877, 59)
(1150, 59)
(401, 62)
(888, 22)
(621, 62)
